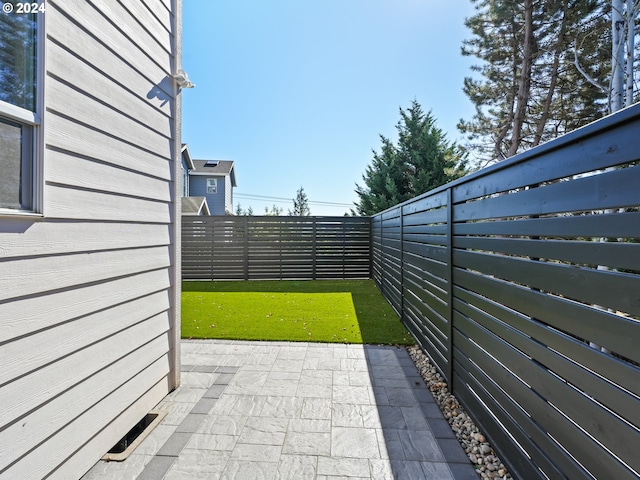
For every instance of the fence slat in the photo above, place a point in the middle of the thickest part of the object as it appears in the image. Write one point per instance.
(224, 247)
(527, 297)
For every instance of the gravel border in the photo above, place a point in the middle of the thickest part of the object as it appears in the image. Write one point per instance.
(480, 453)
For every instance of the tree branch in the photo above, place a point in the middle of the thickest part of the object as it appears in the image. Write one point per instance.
(587, 77)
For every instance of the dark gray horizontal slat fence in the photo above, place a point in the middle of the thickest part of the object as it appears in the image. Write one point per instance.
(264, 247)
(506, 276)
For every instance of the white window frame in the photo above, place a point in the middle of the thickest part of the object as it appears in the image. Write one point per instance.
(212, 186)
(32, 120)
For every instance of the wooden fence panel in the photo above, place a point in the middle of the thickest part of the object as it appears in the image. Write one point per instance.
(254, 248)
(522, 281)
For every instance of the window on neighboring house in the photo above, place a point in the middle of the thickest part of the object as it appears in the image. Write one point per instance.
(19, 119)
(212, 185)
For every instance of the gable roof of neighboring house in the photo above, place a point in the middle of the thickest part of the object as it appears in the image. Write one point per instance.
(186, 155)
(220, 168)
(195, 206)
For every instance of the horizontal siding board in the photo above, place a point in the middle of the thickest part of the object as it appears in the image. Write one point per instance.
(71, 203)
(37, 275)
(21, 437)
(24, 316)
(162, 11)
(608, 289)
(30, 353)
(88, 141)
(66, 237)
(159, 31)
(85, 457)
(85, 173)
(133, 32)
(88, 290)
(32, 391)
(51, 454)
(105, 89)
(82, 108)
(95, 32)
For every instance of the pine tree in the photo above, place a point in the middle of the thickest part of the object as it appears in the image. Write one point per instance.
(423, 159)
(300, 204)
(530, 89)
(274, 212)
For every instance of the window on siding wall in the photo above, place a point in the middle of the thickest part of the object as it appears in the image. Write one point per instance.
(212, 185)
(18, 110)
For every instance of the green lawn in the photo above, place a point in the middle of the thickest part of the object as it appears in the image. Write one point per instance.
(340, 311)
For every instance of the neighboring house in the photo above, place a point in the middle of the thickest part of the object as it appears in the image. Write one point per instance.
(186, 165)
(89, 233)
(214, 180)
(195, 206)
(190, 205)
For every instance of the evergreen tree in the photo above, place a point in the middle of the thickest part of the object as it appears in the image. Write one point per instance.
(531, 89)
(423, 159)
(300, 204)
(274, 212)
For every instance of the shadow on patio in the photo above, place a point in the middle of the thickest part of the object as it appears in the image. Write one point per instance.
(296, 411)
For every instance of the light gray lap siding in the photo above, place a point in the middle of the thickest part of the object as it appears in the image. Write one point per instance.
(89, 310)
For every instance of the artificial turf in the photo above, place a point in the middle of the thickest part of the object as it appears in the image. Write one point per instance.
(336, 311)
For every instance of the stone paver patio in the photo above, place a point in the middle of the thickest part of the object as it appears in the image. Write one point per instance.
(260, 410)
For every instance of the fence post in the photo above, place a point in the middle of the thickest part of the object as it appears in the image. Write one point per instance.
(371, 243)
(211, 221)
(246, 247)
(314, 249)
(382, 269)
(402, 263)
(449, 327)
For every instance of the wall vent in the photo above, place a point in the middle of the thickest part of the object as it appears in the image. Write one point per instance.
(127, 444)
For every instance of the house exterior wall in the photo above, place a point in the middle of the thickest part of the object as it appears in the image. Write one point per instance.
(89, 292)
(216, 201)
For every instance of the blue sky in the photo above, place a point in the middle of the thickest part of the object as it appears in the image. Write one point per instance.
(297, 92)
